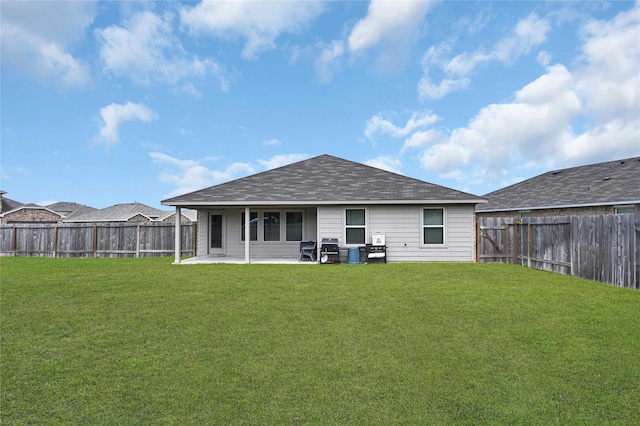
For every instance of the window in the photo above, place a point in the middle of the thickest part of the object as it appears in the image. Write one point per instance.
(625, 209)
(433, 226)
(524, 213)
(265, 226)
(355, 226)
(253, 229)
(294, 226)
(271, 221)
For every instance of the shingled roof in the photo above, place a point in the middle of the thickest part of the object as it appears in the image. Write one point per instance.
(119, 213)
(69, 209)
(609, 183)
(323, 180)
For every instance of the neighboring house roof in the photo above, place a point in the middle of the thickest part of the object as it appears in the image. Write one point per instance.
(191, 215)
(9, 205)
(323, 180)
(119, 213)
(29, 206)
(70, 210)
(609, 183)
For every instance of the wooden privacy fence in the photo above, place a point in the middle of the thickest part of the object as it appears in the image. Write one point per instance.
(603, 248)
(95, 240)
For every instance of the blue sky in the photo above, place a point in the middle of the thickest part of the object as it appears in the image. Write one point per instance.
(114, 102)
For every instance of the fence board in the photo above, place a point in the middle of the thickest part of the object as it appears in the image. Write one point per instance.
(95, 240)
(603, 248)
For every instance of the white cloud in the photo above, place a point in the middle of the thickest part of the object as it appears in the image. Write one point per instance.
(386, 20)
(282, 160)
(387, 163)
(533, 126)
(610, 79)
(392, 27)
(528, 33)
(379, 125)
(420, 139)
(192, 176)
(260, 23)
(272, 142)
(328, 61)
(114, 114)
(429, 90)
(537, 128)
(37, 38)
(145, 50)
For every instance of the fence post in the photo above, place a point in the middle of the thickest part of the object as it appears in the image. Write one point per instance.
(138, 241)
(516, 242)
(14, 241)
(95, 241)
(55, 241)
(195, 239)
(178, 235)
(529, 244)
(477, 241)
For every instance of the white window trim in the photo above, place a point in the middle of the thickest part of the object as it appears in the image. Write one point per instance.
(444, 227)
(344, 227)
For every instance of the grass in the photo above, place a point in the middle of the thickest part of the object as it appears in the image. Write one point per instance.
(141, 341)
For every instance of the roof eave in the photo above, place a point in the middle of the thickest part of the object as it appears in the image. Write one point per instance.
(315, 202)
(560, 206)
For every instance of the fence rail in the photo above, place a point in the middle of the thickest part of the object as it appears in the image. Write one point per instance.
(603, 248)
(95, 240)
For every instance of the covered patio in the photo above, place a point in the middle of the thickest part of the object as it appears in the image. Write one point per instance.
(204, 260)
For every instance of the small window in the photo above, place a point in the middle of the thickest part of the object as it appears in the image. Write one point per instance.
(433, 226)
(271, 222)
(625, 209)
(524, 213)
(253, 229)
(294, 226)
(355, 226)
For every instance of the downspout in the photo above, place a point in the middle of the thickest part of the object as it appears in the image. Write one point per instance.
(247, 235)
(178, 236)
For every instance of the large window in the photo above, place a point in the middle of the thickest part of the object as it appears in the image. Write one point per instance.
(433, 226)
(355, 229)
(271, 221)
(265, 226)
(253, 230)
(294, 226)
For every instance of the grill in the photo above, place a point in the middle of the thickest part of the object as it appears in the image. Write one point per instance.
(329, 251)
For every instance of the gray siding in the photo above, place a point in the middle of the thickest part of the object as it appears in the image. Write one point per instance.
(401, 226)
(233, 228)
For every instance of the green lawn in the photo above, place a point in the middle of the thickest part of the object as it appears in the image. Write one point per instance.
(141, 341)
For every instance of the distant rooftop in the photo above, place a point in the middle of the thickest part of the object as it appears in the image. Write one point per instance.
(612, 182)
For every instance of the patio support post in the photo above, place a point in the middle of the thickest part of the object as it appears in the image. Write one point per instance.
(247, 235)
(178, 236)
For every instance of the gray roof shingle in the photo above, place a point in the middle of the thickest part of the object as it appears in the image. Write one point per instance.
(613, 182)
(69, 209)
(322, 179)
(118, 213)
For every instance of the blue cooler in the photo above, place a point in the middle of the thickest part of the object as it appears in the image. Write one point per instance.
(353, 255)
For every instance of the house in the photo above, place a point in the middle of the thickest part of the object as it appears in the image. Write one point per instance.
(127, 212)
(70, 210)
(30, 213)
(329, 197)
(611, 187)
(14, 212)
(7, 204)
